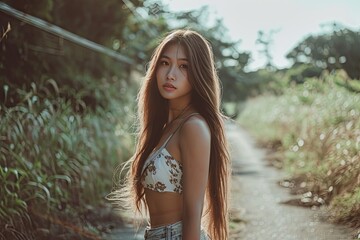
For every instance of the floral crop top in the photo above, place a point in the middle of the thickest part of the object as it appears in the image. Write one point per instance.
(161, 171)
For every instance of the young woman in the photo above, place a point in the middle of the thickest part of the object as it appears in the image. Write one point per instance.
(180, 169)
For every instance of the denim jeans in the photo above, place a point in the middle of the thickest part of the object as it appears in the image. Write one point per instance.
(168, 232)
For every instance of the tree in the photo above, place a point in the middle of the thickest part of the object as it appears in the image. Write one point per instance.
(266, 40)
(335, 50)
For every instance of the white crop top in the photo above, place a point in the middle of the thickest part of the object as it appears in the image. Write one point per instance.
(161, 171)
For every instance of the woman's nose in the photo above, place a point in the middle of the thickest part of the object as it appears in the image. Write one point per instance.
(171, 73)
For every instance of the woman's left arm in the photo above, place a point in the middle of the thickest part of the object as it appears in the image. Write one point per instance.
(195, 140)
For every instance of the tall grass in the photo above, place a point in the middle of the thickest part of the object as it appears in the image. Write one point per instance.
(56, 161)
(314, 129)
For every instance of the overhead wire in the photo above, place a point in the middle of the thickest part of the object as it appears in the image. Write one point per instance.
(60, 32)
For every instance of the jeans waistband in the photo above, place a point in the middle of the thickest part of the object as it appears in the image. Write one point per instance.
(164, 232)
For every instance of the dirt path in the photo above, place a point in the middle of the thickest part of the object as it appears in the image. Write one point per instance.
(256, 201)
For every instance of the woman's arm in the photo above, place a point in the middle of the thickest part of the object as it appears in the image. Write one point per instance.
(195, 140)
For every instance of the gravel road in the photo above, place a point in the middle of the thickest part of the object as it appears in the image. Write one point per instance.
(257, 199)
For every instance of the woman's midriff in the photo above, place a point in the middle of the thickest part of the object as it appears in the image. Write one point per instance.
(164, 207)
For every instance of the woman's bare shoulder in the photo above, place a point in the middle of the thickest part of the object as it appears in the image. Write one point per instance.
(195, 128)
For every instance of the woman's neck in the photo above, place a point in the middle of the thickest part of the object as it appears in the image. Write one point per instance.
(177, 111)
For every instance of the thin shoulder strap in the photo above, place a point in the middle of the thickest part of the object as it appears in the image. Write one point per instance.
(166, 142)
(180, 125)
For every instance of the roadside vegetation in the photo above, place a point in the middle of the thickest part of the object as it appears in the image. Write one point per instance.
(312, 131)
(57, 164)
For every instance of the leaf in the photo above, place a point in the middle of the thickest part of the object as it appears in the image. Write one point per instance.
(15, 172)
(21, 203)
(66, 138)
(62, 177)
(3, 214)
(54, 85)
(42, 187)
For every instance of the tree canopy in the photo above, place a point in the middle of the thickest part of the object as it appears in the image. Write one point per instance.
(335, 50)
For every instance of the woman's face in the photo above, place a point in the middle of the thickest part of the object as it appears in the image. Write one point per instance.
(172, 74)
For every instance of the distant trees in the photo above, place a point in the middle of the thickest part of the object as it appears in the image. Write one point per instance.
(266, 40)
(335, 50)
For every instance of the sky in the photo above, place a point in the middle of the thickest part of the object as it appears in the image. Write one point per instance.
(292, 21)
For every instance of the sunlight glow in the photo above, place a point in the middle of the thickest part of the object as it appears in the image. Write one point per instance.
(292, 20)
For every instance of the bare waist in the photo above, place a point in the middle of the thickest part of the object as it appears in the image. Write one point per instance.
(164, 208)
(165, 218)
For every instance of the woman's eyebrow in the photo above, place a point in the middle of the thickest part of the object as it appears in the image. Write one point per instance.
(167, 57)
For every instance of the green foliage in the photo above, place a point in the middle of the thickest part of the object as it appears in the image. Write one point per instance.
(341, 79)
(98, 21)
(266, 40)
(55, 161)
(266, 81)
(314, 129)
(42, 55)
(335, 50)
(299, 73)
(346, 208)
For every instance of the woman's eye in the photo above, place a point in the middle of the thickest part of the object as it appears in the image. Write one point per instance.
(184, 66)
(164, 63)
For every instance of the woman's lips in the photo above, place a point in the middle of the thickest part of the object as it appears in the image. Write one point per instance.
(169, 87)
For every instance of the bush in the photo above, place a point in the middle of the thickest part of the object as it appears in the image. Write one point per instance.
(314, 128)
(299, 73)
(56, 162)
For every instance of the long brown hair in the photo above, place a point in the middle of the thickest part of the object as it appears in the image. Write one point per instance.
(153, 113)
